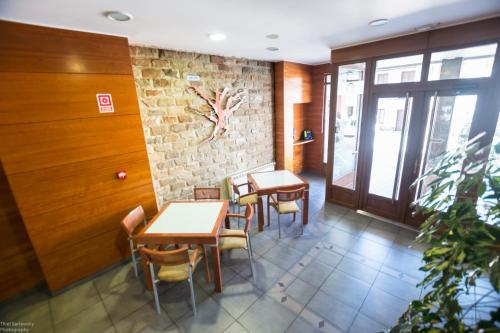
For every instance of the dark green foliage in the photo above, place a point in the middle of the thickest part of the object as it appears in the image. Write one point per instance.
(462, 229)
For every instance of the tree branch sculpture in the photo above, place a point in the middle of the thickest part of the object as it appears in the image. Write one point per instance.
(219, 114)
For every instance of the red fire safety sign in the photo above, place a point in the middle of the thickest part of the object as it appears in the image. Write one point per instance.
(105, 103)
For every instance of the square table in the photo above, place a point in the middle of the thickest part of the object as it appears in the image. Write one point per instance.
(269, 182)
(188, 222)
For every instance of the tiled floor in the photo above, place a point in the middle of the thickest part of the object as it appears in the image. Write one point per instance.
(347, 273)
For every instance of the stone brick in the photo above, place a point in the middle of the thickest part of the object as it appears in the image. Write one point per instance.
(175, 135)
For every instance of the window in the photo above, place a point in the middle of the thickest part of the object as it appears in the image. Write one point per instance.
(397, 70)
(350, 90)
(470, 62)
(326, 115)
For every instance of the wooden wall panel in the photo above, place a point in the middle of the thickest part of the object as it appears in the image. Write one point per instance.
(314, 121)
(30, 48)
(60, 155)
(19, 268)
(41, 145)
(292, 86)
(62, 96)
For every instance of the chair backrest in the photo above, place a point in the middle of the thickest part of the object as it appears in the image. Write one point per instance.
(206, 193)
(248, 217)
(166, 258)
(236, 188)
(133, 219)
(291, 195)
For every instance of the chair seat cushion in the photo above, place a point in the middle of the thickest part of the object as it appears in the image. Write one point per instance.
(178, 272)
(285, 207)
(249, 199)
(228, 242)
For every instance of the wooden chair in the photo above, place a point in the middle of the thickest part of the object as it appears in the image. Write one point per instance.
(175, 265)
(231, 239)
(242, 200)
(285, 202)
(130, 224)
(206, 193)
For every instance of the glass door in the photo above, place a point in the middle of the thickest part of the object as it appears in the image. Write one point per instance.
(448, 117)
(388, 142)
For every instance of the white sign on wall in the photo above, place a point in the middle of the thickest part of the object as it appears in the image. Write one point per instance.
(193, 78)
(105, 103)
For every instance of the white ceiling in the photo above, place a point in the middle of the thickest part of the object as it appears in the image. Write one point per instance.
(308, 29)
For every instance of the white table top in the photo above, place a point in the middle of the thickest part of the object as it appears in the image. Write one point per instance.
(276, 178)
(187, 218)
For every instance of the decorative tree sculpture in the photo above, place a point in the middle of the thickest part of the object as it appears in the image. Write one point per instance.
(218, 114)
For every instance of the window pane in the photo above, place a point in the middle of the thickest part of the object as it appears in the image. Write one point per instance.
(389, 145)
(326, 116)
(465, 63)
(447, 129)
(397, 70)
(347, 119)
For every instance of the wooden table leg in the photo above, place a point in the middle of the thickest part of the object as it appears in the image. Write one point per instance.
(147, 274)
(261, 213)
(306, 207)
(217, 269)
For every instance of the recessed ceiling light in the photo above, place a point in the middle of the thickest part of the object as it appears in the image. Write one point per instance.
(217, 36)
(118, 16)
(379, 22)
(272, 48)
(426, 27)
(273, 36)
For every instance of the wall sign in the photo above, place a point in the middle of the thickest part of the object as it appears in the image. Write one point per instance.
(219, 113)
(105, 103)
(193, 78)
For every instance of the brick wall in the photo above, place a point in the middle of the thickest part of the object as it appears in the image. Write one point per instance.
(174, 134)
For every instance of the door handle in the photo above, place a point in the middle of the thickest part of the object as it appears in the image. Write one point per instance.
(395, 186)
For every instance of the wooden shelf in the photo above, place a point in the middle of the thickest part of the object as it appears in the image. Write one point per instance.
(302, 142)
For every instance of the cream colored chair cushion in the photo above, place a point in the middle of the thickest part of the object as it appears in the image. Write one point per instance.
(286, 207)
(178, 272)
(229, 243)
(249, 199)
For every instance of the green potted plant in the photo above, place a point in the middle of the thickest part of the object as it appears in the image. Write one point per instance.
(461, 206)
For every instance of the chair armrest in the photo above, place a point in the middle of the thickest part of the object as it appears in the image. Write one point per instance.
(239, 236)
(192, 259)
(238, 216)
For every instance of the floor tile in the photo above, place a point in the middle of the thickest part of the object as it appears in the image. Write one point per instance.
(145, 319)
(383, 307)
(405, 241)
(93, 319)
(177, 300)
(337, 313)
(283, 256)
(73, 301)
(237, 296)
(267, 316)
(301, 243)
(404, 263)
(301, 291)
(210, 318)
(345, 288)
(261, 243)
(32, 308)
(311, 324)
(125, 299)
(381, 232)
(370, 250)
(266, 274)
(357, 269)
(329, 257)
(236, 327)
(316, 272)
(340, 238)
(115, 277)
(363, 324)
(397, 287)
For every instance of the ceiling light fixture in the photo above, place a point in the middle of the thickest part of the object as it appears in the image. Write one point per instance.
(118, 16)
(273, 36)
(272, 48)
(217, 36)
(379, 22)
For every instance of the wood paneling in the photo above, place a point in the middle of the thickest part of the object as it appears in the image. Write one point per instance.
(62, 96)
(314, 121)
(30, 48)
(60, 155)
(292, 86)
(19, 268)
